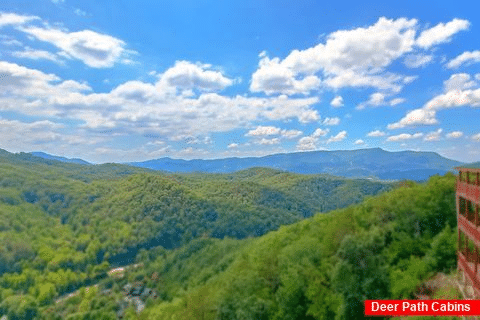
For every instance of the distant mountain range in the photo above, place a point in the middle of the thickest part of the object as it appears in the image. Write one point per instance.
(364, 163)
(374, 163)
(57, 158)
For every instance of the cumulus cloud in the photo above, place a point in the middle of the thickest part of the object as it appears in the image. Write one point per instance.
(13, 19)
(33, 54)
(453, 98)
(416, 117)
(307, 143)
(433, 136)
(21, 136)
(359, 142)
(268, 131)
(337, 102)
(331, 121)
(417, 60)
(272, 77)
(310, 142)
(376, 133)
(309, 116)
(290, 134)
(264, 131)
(396, 101)
(339, 137)
(354, 58)
(455, 134)
(232, 146)
(459, 81)
(467, 57)
(149, 109)
(94, 49)
(476, 137)
(265, 141)
(319, 132)
(378, 99)
(186, 75)
(441, 33)
(405, 136)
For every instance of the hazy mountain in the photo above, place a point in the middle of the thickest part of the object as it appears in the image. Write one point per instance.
(475, 165)
(347, 163)
(57, 158)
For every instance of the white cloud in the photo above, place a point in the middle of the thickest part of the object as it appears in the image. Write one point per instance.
(405, 136)
(467, 57)
(29, 53)
(441, 33)
(386, 82)
(396, 101)
(21, 81)
(94, 49)
(376, 133)
(310, 142)
(417, 60)
(186, 75)
(14, 19)
(416, 117)
(337, 102)
(232, 146)
(359, 142)
(476, 137)
(453, 98)
(264, 131)
(354, 58)
(22, 136)
(320, 132)
(331, 121)
(307, 143)
(378, 99)
(459, 81)
(309, 116)
(265, 141)
(455, 134)
(433, 136)
(272, 77)
(137, 107)
(339, 137)
(156, 143)
(290, 134)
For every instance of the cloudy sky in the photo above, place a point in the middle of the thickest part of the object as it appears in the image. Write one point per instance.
(135, 80)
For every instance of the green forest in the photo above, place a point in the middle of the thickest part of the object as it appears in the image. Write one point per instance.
(255, 244)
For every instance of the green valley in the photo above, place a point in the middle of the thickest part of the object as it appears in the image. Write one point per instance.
(64, 225)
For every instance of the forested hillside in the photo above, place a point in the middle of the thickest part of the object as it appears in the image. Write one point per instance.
(64, 225)
(319, 268)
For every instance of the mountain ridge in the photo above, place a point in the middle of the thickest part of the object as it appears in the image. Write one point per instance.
(58, 158)
(362, 163)
(373, 163)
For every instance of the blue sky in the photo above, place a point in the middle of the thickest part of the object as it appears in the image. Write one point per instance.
(116, 81)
